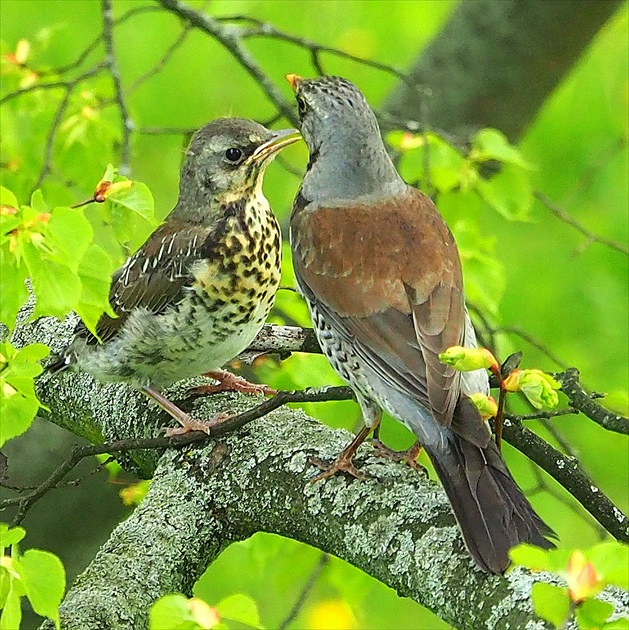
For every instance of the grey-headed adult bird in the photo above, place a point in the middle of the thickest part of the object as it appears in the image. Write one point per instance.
(381, 274)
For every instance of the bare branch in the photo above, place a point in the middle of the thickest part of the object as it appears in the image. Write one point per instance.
(584, 402)
(165, 58)
(567, 471)
(232, 41)
(70, 86)
(566, 218)
(323, 562)
(119, 95)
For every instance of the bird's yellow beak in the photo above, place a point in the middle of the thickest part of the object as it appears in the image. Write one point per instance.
(277, 142)
(294, 80)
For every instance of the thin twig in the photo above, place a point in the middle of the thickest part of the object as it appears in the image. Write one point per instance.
(582, 401)
(323, 562)
(119, 95)
(568, 473)
(57, 120)
(228, 38)
(566, 218)
(170, 51)
(314, 394)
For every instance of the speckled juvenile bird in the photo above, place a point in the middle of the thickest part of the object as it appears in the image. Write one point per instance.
(200, 288)
(382, 277)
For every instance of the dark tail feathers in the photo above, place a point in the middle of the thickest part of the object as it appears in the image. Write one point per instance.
(490, 508)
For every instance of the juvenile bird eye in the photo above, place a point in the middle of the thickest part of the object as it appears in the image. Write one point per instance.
(233, 154)
(301, 105)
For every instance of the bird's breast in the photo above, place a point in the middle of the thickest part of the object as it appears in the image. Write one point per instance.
(243, 267)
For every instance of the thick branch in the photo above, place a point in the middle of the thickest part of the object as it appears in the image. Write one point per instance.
(398, 526)
(495, 63)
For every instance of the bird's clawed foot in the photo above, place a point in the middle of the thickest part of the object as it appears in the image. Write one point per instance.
(228, 382)
(341, 464)
(189, 424)
(344, 462)
(409, 456)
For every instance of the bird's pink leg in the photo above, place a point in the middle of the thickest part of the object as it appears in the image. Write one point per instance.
(409, 456)
(187, 422)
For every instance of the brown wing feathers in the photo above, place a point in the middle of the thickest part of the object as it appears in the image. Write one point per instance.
(369, 264)
(153, 278)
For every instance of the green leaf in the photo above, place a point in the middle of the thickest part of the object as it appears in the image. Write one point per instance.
(240, 608)
(551, 602)
(592, 613)
(38, 203)
(11, 616)
(10, 535)
(137, 199)
(109, 174)
(95, 272)
(18, 402)
(44, 581)
(14, 292)
(33, 352)
(622, 623)
(509, 192)
(611, 560)
(71, 235)
(56, 288)
(491, 144)
(175, 612)
(17, 412)
(7, 198)
(531, 557)
(485, 279)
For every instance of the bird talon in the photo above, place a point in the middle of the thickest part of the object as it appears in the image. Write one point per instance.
(188, 427)
(408, 457)
(228, 382)
(340, 464)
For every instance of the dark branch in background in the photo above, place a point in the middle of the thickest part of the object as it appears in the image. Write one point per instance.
(567, 471)
(323, 562)
(119, 95)
(503, 46)
(228, 38)
(165, 58)
(584, 402)
(566, 218)
(260, 28)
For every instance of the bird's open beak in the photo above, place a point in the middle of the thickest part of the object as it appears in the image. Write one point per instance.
(294, 80)
(278, 141)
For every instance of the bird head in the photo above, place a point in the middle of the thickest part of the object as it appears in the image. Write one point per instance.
(347, 155)
(333, 111)
(227, 158)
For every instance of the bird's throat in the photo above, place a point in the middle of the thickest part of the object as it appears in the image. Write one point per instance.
(336, 174)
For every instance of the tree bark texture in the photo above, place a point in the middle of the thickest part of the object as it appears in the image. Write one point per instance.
(396, 526)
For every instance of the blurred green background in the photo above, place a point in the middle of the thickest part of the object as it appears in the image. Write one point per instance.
(566, 292)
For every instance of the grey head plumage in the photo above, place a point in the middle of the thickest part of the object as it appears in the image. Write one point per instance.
(337, 123)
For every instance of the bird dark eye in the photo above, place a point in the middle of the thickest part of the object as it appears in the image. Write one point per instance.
(233, 155)
(301, 104)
